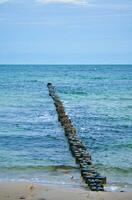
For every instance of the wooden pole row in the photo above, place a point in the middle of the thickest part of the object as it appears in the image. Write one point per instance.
(90, 176)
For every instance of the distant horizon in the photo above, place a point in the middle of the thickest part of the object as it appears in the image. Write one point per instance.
(63, 64)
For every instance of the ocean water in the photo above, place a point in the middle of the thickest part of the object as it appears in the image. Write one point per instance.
(98, 100)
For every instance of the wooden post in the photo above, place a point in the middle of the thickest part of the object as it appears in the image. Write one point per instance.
(90, 176)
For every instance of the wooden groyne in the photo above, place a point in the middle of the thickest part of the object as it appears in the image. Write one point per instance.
(90, 176)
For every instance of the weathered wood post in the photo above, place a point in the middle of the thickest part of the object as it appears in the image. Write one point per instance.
(90, 176)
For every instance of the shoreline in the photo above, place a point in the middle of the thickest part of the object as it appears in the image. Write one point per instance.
(30, 191)
(109, 187)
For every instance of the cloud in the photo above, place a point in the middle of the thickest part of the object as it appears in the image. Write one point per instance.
(3, 1)
(77, 2)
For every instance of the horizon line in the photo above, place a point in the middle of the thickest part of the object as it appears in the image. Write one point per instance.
(64, 64)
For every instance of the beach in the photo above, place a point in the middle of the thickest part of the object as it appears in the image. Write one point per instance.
(65, 100)
(30, 191)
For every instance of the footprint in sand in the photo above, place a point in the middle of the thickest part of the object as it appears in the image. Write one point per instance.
(42, 199)
(22, 197)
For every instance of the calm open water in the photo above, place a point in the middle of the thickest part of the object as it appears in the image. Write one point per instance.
(32, 144)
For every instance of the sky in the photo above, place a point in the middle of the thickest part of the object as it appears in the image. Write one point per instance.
(65, 31)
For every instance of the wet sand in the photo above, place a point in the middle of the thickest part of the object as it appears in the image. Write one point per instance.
(29, 191)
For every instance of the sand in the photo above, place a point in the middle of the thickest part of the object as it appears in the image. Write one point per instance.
(29, 191)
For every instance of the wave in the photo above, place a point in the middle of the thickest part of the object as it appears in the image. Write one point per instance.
(77, 93)
(52, 168)
(40, 168)
(124, 146)
(112, 169)
(98, 78)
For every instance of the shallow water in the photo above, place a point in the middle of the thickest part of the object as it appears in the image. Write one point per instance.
(99, 101)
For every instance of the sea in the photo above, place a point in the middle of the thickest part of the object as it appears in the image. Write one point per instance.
(98, 100)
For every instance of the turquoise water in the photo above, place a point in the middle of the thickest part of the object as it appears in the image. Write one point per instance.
(32, 144)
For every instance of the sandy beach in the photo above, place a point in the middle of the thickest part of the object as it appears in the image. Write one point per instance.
(30, 191)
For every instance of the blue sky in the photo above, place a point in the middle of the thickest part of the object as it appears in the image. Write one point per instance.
(66, 31)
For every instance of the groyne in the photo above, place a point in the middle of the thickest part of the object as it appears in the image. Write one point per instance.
(82, 157)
